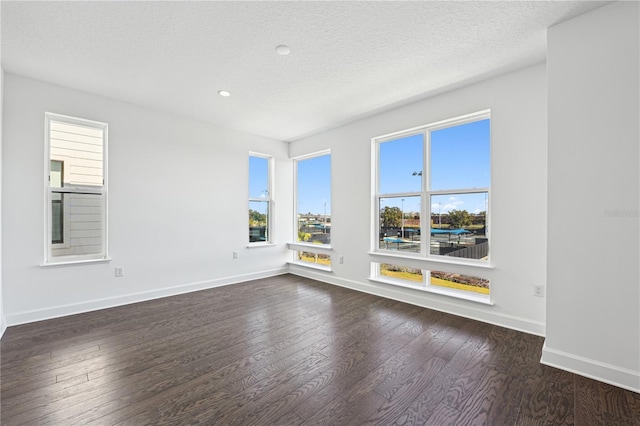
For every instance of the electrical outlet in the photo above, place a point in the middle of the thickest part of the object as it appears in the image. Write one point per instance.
(235, 254)
(538, 290)
(341, 259)
(119, 271)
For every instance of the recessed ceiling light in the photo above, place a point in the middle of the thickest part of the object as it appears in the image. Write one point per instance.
(224, 93)
(283, 50)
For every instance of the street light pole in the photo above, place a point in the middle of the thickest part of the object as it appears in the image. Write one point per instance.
(402, 213)
(325, 218)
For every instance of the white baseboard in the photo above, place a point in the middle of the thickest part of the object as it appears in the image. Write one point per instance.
(600, 371)
(428, 300)
(94, 305)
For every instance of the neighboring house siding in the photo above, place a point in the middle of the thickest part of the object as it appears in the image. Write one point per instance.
(82, 225)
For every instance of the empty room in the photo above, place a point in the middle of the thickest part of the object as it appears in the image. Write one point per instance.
(320, 213)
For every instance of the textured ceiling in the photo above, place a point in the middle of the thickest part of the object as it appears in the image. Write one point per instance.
(348, 59)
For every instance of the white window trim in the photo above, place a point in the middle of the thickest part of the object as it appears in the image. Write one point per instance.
(48, 245)
(310, 248)
(270, 199)
(449, 292)
(295, 192)
(316, 266)
(427, 287)
(424, 257)
(425, 194)
(296, 246)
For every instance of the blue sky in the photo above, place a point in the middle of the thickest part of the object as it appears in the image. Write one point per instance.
(258, 177)
(314, 185)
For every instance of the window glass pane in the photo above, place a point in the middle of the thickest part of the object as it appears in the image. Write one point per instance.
(459, 225)
(258, 177)
(258, 221)
(400, 223)
(55, 174)
(460, 156)
(401, 272)
(401, 165)
(459, 282)
(84, 220)
(57, 219)
(81, 149)
(314, 199)
(319, 259)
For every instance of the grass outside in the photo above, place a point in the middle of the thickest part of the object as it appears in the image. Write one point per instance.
(309, 257)
(450, 284)
(410, 276)
(417, 277)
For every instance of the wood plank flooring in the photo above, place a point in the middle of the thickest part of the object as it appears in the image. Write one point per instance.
(289, 351)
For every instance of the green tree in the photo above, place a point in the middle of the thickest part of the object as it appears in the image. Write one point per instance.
(256, 218)
(391, 217)
(479, 218)
(459, 219)
(303, 236)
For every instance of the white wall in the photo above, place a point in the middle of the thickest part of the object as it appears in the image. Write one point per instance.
(178, 200)
(519, 165)
(593, 304)
(3, 320)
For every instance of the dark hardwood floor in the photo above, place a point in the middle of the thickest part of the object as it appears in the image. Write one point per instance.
(289, 351)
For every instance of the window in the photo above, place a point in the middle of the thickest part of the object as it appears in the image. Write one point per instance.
(313, 210)
(313, 197)
(75, 189)
(260, 198)
(432, 190)
(435, 281)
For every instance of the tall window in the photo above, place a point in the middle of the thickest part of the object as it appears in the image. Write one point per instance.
(313, 198)
(432, 190)
(75, 189)
(260, 198)
(313, 208)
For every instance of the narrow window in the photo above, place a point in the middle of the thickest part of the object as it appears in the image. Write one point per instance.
(313, 211)
(260, 198)
(313, 196)
(76, 189)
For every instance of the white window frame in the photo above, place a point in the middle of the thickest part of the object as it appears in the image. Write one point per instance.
(425, 284)
(269, 199)
(49, 259)
(425, 195)
(297, 246)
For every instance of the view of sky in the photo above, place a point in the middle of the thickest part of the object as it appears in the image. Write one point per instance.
(314, 185)
(258, 177)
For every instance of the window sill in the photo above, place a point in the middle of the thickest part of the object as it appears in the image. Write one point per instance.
(314, 248)
(261, 244)
(448, 261)
(457, 294)
(312, 266)
(75, 262)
